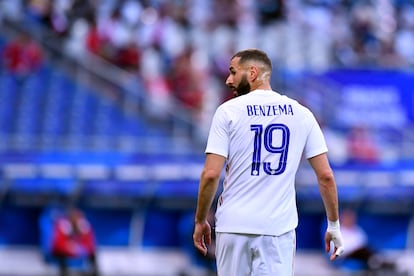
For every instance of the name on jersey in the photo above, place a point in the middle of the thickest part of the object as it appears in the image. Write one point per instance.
(269, 110)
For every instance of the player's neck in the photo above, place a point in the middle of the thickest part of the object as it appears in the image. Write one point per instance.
(260, 83)
(262, 87)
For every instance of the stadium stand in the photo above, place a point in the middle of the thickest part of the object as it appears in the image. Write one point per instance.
(81, 131)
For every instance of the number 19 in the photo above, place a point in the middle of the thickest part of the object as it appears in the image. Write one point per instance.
(268, 145)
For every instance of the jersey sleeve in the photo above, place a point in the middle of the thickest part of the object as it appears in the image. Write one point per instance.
(315, 144)
(218, 138)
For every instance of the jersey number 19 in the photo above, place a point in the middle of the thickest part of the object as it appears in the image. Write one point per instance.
(267, 136)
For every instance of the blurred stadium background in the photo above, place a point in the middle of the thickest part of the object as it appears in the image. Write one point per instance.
(109, 109)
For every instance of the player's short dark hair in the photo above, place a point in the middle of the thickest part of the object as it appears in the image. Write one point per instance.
(253, 54)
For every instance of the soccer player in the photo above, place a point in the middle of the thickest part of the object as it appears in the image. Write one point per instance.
(260, 136)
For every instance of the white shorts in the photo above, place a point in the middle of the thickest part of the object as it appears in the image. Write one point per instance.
(255, 255)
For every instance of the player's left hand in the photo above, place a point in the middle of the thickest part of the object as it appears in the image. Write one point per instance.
(333, 234)
(202, 236)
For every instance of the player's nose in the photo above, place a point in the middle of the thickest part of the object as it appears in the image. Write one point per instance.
(229, 81)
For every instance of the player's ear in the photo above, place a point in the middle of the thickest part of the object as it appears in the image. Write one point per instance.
(253, 72)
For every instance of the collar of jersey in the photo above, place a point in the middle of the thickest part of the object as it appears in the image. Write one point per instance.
(263, 91)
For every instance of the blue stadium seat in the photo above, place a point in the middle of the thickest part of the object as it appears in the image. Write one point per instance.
(8, 97)
(116, 188)
(58, 105)
(43, 186)
(176, 189)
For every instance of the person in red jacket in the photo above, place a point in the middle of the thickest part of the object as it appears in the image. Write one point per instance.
(74, 238)
(23, 55)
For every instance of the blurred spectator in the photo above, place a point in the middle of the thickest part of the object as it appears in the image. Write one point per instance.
(185, 79)
(80, 39)
(114, 34)
(73, 238)
(390, 57)
(77, 9)
(336, 142)
(270, 11)
(94, 41)
(59, 21)
(39, 12)
(23, 55)
(358, 247)
(365, 42)
(129, 57)
(130, 12)
(226, 12)
(362, 147)
(404, 37)
(156, 83)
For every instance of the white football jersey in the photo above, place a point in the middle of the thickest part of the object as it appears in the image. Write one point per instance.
(263, 135)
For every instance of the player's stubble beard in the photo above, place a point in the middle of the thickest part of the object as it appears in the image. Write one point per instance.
(243, 87)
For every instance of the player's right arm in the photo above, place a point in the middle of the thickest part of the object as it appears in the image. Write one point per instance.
(208, 186)
(329, 194)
